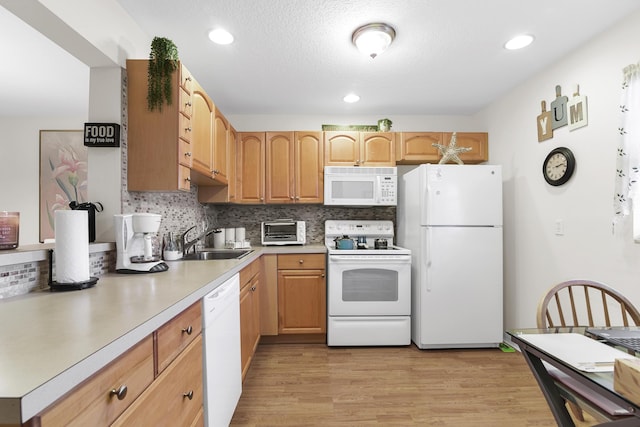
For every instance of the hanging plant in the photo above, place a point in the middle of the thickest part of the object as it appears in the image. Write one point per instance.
(163, 61)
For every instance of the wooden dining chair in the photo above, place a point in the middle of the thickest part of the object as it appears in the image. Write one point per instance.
(585, 303)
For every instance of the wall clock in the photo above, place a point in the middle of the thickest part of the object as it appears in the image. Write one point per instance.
(558, 166)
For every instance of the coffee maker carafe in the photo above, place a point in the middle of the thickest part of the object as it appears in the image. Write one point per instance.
(134, 238)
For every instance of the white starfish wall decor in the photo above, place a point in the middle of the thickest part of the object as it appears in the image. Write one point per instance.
(450, 152)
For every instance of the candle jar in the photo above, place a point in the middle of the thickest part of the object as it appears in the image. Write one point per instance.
(9, 229)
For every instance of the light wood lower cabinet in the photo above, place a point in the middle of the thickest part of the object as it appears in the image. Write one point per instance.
(302, 294)
(175, 397)
(103, 397)
(249, 313)
(157, 382)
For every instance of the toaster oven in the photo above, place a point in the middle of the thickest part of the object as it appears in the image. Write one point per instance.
(283, 232)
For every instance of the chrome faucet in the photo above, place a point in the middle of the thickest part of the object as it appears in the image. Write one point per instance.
(191, 244)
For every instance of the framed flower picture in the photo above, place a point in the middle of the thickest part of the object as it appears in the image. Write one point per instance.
(63, 175)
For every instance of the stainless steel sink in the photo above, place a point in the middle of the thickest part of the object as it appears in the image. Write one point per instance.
(210, 254)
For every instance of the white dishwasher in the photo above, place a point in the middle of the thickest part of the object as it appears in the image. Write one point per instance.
(222, 371)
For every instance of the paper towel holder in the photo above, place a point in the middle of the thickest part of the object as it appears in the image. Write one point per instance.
(76, 286)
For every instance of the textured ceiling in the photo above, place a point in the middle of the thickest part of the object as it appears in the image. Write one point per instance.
(296, 56)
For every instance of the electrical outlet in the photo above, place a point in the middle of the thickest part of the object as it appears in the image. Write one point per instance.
(559, 227)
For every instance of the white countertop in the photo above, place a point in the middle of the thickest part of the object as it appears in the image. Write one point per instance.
(51, 341)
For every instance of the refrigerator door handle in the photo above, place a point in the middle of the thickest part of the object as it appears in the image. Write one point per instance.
(426, 259)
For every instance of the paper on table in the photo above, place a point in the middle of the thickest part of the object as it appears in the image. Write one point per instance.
(579, 351)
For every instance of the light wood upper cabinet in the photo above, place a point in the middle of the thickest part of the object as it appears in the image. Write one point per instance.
(279, 157)
(478, 141)
(158, 142)
(417, 147)
(220, 146)
(378, 149)
(250, 167)
(294, 167)
(359, 148)
(203, 111)
(341, 148)
(223, 193)
(309, 167)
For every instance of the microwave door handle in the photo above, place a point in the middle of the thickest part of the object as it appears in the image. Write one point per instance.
(378, 194)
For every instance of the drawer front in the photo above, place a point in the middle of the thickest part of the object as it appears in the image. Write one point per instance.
(301, 261)
(166, 402)
(184, 178)
(93, 403)
(176, 334)
(248, 272)
(185, 127)
(184, 153)
(185, 102)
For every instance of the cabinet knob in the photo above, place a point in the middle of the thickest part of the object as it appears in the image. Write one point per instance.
(188, 395)
(300, 261)
(188, 103)
(322, 275)
(253, 288)
(188, 330)
(187, 154)
(291, 197)
(188, 179)
(120, 393)
(216, 171)
(188, 129)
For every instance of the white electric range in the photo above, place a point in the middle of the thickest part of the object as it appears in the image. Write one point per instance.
(368, 286)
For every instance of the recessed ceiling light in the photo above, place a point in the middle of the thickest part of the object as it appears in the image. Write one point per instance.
(518, 42)
(221, 36)
(351, 98)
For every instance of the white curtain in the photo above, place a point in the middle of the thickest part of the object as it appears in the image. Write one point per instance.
(627, 187)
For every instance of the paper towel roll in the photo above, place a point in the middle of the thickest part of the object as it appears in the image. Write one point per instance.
(230, 234)
(72, 246)
(240, 234)
(218, 239)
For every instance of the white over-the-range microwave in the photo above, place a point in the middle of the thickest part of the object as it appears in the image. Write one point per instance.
(360, 186)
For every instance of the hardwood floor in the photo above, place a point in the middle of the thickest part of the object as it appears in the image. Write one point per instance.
(312, 384)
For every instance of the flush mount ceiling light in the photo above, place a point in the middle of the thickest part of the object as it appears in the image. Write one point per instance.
(220, 36)
(518, 42)
(351, 98)
(373, 39)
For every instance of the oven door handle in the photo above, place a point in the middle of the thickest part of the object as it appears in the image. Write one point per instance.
(343, 259)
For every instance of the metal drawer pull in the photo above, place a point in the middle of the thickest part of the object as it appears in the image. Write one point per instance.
(120, 393)
(188, 330)
(188, 395)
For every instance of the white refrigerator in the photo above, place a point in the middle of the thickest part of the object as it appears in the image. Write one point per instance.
(450, 216)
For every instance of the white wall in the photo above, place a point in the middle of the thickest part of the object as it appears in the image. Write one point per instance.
(536, 258)
(258, 123)
(19, 173)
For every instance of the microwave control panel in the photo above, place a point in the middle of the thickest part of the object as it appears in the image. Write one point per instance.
(388, 188)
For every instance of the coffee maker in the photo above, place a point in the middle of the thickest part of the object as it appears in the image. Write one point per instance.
(134, 236)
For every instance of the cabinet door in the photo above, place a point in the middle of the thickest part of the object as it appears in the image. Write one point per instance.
(417, 147)
(378, 149)
(478, 141)
(202, 135)
(250, 167)
(308, 167)
(246, 325)
(279, 167)
(341, 148)
(231, 155)
(220, 145)
(175, 397)
(302, 302)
